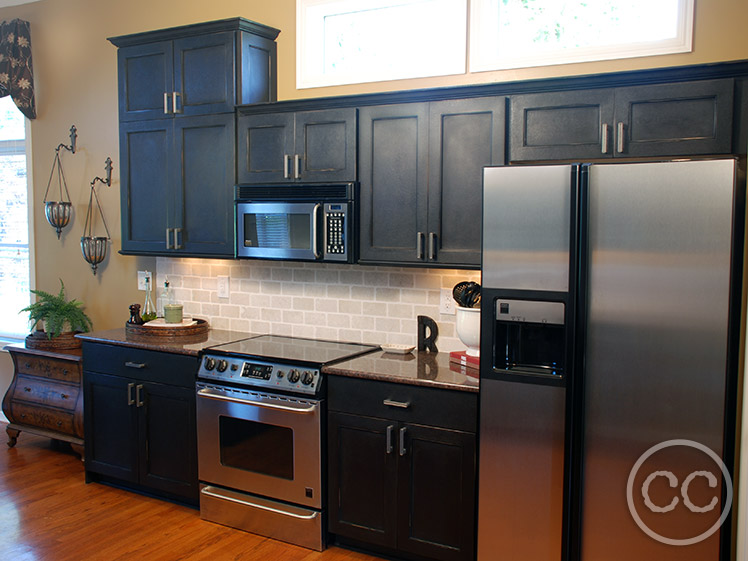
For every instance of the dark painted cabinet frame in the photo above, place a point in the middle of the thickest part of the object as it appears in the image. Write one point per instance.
(178, 89)
(402, 477)
(311, 146)
(139, 418)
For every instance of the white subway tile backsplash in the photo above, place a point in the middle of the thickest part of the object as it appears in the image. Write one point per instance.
(324, 301)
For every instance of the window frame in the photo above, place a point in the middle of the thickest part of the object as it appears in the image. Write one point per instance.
(482, 61)
(310, 45)
(7, 336)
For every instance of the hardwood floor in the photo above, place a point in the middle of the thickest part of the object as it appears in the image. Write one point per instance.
(48, 513)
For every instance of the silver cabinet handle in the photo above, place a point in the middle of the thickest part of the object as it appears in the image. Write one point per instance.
(619, 137)
(390, 429)
(403, 451)
(168, 239)
(286, 163)
(604, 134)
(177, 238)
(295, 409)
(138, 365)
(398, 404)
(174, 105)
(315, 226)
(296, 166)
(432, 246)
(139, 395)
(166, 103)
(130, 400)
(419, 245)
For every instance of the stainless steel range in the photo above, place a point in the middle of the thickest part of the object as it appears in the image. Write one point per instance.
(261, 447)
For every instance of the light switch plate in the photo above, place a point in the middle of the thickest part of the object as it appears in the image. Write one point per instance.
(142, 275)
(223, 287)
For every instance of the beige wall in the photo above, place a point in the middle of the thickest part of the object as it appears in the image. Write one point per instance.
(76, 82)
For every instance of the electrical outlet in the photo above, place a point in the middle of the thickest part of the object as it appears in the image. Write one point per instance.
(223, 287)
(142, 275)
(446, 302)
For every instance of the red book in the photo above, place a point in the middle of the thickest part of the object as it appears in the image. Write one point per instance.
(464, 359)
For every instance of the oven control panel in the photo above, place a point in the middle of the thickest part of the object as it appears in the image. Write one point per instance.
(260, 374)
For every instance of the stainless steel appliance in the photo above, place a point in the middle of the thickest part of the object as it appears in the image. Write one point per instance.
(610, 320)
(261, 445)
(297, 222)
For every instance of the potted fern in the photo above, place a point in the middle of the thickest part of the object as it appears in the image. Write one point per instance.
(56, 319)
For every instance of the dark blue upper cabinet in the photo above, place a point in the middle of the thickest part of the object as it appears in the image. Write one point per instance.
(198, 69)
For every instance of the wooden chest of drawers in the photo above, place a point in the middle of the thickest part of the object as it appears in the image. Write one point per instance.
(45, 396)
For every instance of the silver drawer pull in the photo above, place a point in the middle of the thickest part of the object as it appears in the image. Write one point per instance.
(213, 492)
(398, 404)
(138, 365)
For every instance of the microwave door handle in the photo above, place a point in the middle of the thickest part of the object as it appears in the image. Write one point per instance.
(315, 237)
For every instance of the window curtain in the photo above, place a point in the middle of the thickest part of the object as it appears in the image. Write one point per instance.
(16, 75)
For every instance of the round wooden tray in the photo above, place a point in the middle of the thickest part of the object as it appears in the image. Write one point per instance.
(200, 328)
(66, 340)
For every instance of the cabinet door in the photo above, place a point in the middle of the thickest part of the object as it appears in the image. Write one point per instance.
(204, 196)
(146, 196)
(168, 440)
(465, 135)
(265, 144)
(436, 503)
(110, 426)
(675, 119)
(561, 126)
(362, 478)
(204, 74)
(393, 144)
(325, 143)
(145, 74)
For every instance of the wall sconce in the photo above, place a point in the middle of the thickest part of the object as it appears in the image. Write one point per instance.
(58, 212)
(94, 248)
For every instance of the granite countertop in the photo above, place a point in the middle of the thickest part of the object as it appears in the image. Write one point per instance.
(417, 368)
(188, 345)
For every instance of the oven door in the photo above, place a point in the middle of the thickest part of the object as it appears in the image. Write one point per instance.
(260, 443)
(278, 230)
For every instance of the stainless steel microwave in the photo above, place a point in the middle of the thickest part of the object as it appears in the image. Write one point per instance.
(316, 222)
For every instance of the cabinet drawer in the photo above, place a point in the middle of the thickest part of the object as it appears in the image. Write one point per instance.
(46, 367)
(37, 390)
(402, 402)
(141, 364)
(42, 417)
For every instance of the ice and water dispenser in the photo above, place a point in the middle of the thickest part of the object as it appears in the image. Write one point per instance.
(529, 337)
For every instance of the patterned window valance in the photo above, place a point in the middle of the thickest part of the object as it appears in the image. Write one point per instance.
(16, 75)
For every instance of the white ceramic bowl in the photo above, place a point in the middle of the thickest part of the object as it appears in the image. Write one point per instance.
(468, 329)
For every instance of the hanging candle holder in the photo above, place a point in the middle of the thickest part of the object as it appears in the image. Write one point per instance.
(58, 212)
(94, 248)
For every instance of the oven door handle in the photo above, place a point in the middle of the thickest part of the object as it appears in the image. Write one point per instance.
(210, 394)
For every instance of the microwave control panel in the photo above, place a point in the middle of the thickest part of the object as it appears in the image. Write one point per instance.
(336, 235)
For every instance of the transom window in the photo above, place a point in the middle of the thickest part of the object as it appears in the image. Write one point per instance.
(353, 41)
(521, 33)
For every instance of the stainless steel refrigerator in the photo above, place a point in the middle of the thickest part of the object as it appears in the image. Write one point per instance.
(610, 327)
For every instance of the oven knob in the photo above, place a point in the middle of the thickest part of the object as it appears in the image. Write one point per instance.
(308, 378)
(222, 365)
(210, 363)
(293, 376)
